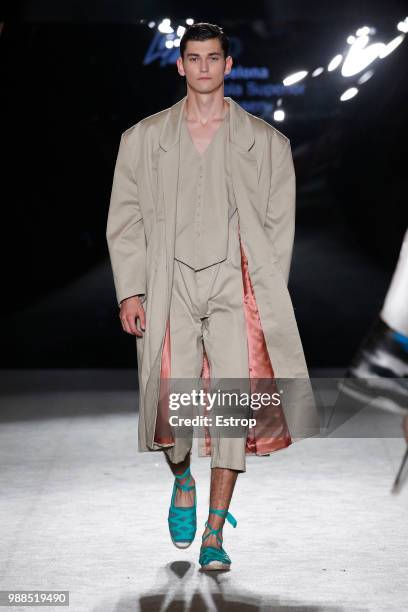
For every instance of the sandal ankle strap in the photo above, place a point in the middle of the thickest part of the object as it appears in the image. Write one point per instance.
(231, 519)
(212, 531)
(184, 474)
(186, 486)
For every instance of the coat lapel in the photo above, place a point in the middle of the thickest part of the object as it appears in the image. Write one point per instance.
(245, 171)
(244, 165)
(271, 432)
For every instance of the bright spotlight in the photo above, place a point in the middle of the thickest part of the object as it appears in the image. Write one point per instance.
(349, 93)
(363, 31)
(180, 31)
(365, 77)
(176, 42)
(164, 27)
(336, 61)
(358, 58)
(294, 78)
(402, 26)
(351, 39)
(318, 71)
(389, 47)
(361, 42)
(279, 115)
(169, 44)
(189, 21)
(151, 24)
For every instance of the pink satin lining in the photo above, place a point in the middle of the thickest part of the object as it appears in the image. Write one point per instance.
(270, 432)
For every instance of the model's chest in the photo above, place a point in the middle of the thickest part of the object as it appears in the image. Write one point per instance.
(202, 137)
(158, 175)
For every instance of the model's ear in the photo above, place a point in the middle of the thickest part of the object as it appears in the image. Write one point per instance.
(180, 66)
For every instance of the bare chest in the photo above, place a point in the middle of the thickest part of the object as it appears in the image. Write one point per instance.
(203, 135)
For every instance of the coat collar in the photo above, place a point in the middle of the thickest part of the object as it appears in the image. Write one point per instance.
(241, 132)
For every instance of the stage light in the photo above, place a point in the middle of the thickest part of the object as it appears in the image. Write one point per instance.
(164, 27)
(295, 77)
(151, 24)
(169, 44)
(189, 21)
(180, 31)
(279, 115)
(360, 56)
(351, 39)
(363, 31)
(402, 26)
(317, 71)
(336, 61)
(391, 46)
(365, 77)
(349, 93)
(176, 42)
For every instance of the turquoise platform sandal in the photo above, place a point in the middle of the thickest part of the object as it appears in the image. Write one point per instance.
(182, 521)
(212, 558)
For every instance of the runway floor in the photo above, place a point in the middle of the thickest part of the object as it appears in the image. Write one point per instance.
(81, 510)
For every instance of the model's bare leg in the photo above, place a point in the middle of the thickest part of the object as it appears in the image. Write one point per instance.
(222, 486)
(183, 498)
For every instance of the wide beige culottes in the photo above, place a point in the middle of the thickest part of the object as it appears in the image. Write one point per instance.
(206, 312)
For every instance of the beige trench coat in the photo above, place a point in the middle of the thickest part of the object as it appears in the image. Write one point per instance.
(141, 239)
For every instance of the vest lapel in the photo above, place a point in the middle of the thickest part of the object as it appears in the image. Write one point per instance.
(242, 139)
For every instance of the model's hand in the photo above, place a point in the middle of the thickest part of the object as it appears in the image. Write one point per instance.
(132, 309)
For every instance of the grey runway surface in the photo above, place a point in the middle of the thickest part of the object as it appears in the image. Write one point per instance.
(81, 510)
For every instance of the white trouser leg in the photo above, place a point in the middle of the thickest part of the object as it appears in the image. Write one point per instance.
(395, 308)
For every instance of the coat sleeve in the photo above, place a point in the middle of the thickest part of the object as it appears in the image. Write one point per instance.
(280, 214)
(125, 230)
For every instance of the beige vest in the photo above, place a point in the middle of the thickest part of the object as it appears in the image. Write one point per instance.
(205, 199)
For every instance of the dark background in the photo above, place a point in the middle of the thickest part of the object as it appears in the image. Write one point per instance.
(73, 78)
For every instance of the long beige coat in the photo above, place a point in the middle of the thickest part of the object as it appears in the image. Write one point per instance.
(141, 240)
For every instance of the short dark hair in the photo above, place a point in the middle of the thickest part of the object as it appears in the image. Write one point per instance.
(204, 31)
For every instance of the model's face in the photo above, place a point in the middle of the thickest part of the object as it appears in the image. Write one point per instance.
(204, 65)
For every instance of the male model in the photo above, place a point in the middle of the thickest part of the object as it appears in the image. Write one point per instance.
(200, 234)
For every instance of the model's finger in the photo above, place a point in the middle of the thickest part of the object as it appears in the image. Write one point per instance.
(132, 325)
(142, 317)
(125, 325)
(138, 332)
(138, 325)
